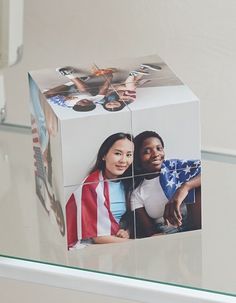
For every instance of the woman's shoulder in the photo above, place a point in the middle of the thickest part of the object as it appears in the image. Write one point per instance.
(94, 177)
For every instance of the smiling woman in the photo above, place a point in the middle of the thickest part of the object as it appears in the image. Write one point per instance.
(164, 190)
(96, 210)
(152, 154)
(118, 158)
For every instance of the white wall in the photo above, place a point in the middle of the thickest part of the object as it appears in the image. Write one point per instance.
(196, 38)
(29, 292)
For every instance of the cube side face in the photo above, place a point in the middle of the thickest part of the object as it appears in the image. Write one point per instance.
(47, 164)
(81, 140)
(154, 101)
(167, 158)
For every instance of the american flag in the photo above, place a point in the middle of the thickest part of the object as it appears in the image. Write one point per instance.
(88, 213)
(175, 172)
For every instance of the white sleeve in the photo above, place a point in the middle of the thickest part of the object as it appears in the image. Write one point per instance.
(136, 200)
(97, 98)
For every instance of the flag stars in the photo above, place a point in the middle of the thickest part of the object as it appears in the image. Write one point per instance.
(176, 174)
(187, 170)
(178, 184)
(163, 170)
(170, 183)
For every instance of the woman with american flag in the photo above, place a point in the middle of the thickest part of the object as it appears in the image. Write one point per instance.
(95, 211)
(166, 191)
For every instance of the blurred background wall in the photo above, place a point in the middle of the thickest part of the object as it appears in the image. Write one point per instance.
(196, 38)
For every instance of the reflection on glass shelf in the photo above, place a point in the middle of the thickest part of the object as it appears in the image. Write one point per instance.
(199, 259)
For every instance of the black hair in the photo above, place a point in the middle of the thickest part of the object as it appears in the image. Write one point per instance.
(104, 149)
(115, 109)
(86, 108)
(138, 142)
(101, 165)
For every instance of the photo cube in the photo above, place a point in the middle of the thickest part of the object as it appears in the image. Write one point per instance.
(107, 130)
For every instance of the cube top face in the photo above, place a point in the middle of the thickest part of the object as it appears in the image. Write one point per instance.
(121, 82)
(112, 125)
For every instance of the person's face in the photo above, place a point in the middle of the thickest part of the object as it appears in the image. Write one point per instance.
(118, 158)
(152, 155)
(113, 104)
(84, 102)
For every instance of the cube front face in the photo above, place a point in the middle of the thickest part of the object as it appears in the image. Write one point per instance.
(112, 146)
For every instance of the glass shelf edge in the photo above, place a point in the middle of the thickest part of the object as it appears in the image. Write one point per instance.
(103, 284)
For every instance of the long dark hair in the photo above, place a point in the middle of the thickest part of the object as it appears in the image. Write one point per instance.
(87, 108)
(113, 96)
(104, 148)
(138, 142)
(115, 109)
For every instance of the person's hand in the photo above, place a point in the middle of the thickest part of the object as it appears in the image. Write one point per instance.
(172, 213)
(122, 234)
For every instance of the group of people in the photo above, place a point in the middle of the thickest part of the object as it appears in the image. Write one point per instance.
(112, 97)
(133, 191)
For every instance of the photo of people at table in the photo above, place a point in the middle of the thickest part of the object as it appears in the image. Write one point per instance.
(133, 191)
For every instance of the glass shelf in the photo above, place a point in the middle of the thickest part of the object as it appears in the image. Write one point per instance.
(203, 260)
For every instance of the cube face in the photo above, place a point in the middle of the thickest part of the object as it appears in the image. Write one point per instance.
(98, 208)
(107, 141)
